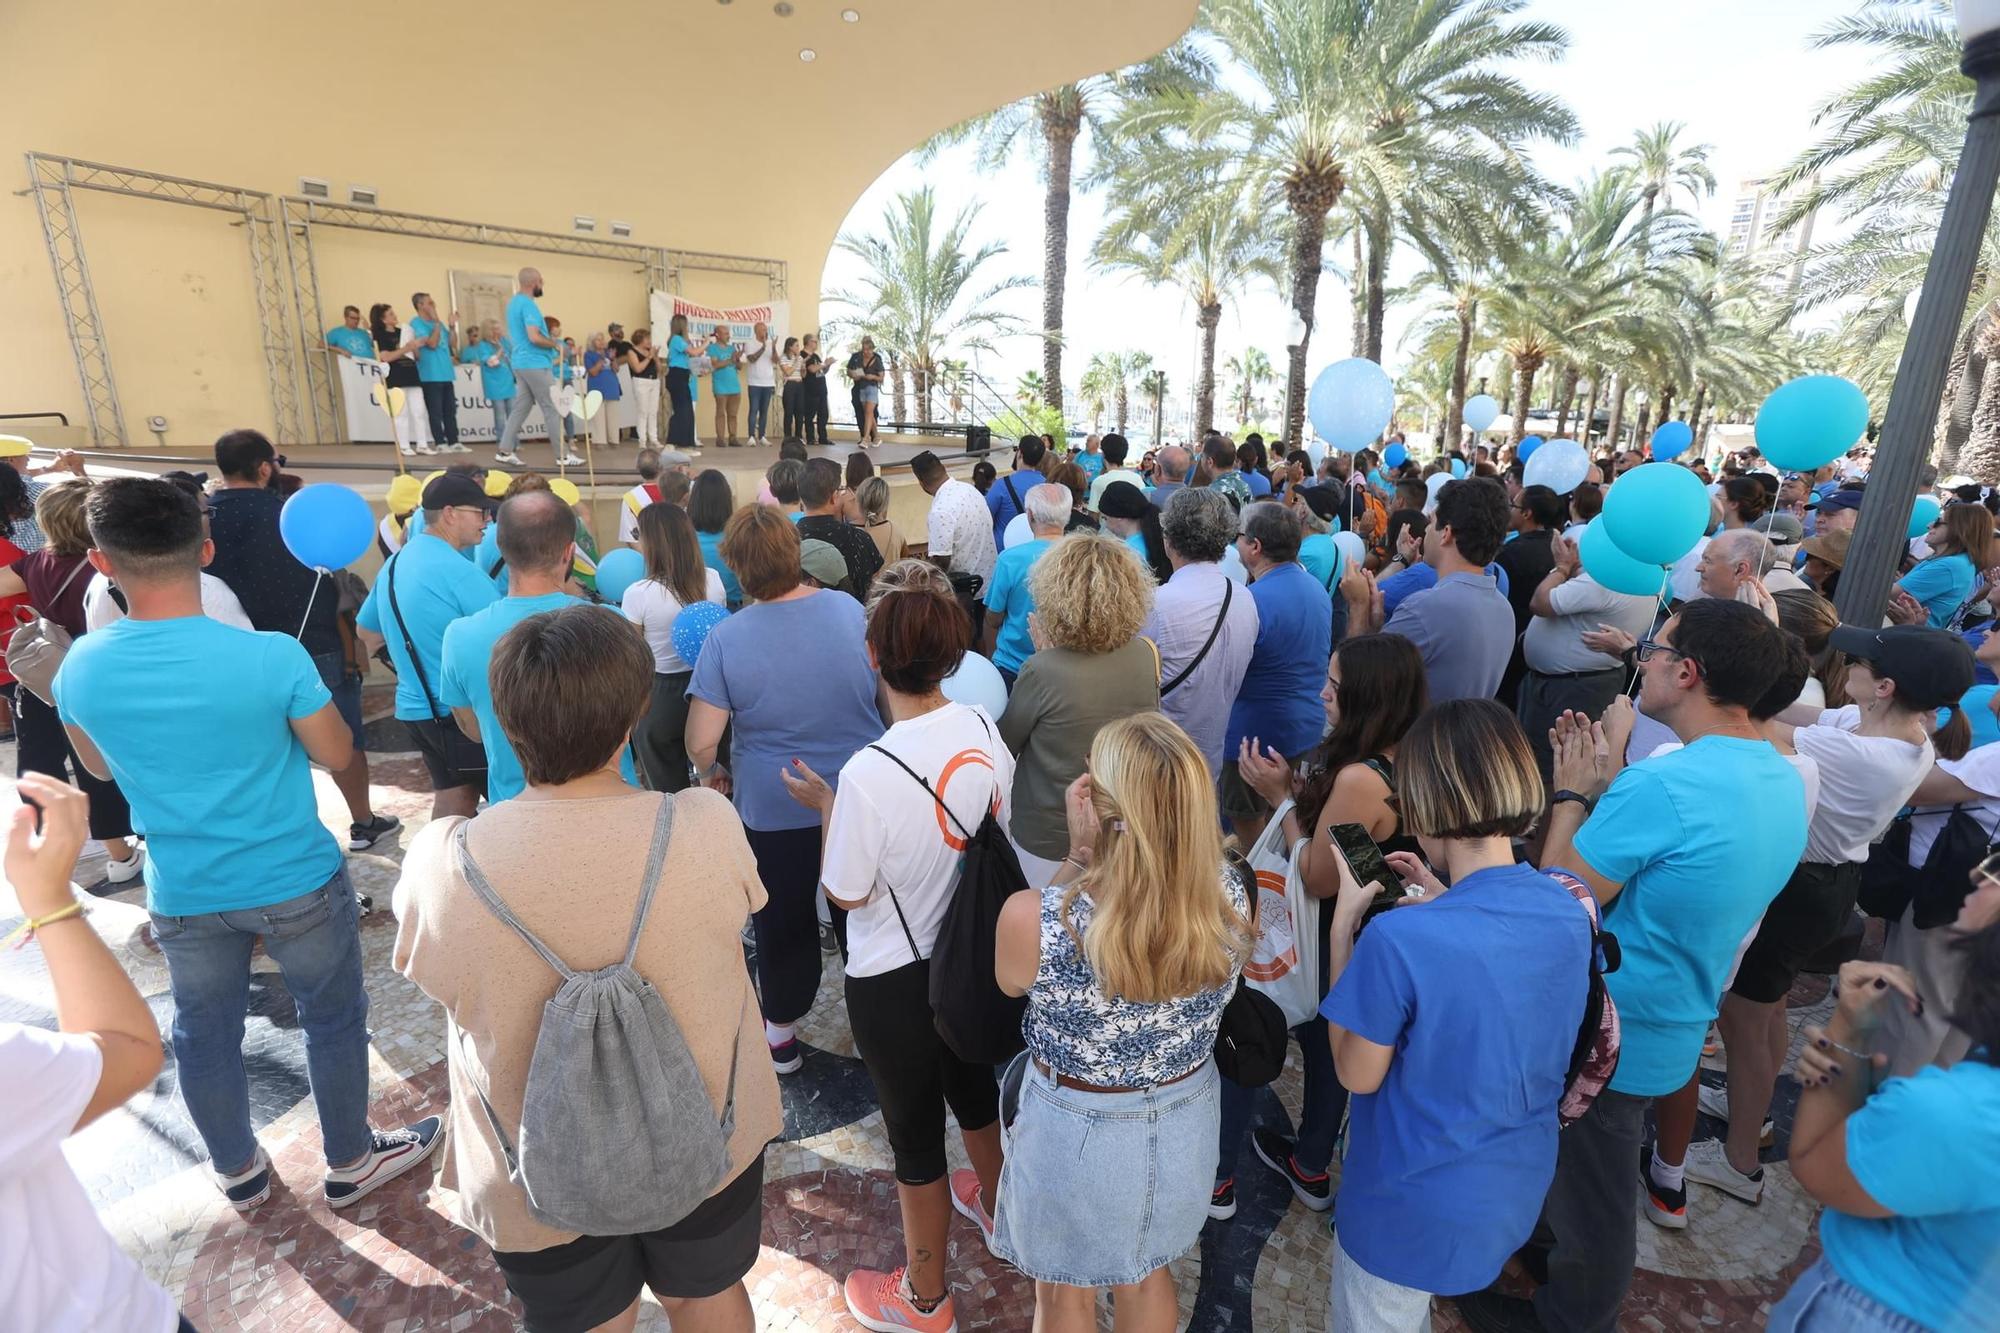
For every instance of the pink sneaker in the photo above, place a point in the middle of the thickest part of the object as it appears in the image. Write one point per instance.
(965, 1198)
(883, 1302)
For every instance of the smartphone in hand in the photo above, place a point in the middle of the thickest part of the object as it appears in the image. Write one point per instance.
(1370, 867)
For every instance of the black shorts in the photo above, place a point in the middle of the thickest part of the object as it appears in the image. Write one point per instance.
(915, 1074)
(1807, 915)
(575, 1287)
(443, 776)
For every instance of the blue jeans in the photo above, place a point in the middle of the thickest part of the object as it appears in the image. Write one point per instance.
(1821, 1301)
(344, 684)
(760, 409)
(315, 939)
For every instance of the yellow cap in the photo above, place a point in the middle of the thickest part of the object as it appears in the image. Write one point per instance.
(433, 476)
(15, 446)
(566, 488)
(497, 483)
(404, 492)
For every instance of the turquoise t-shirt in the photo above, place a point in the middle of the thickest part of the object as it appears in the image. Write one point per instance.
(1007, 596)
(722, 378)
(523, 314)
(1702, 838)
(496, 382)
(435, 585)
(1928, 1149)
(483, 554)
(1137, 541)
(677, 352)
(1941, 583)
(1092, 464)
(194, 717)
(711, 555)
(433, 363)
(355, 342)
(1321, 559)
(468, 650)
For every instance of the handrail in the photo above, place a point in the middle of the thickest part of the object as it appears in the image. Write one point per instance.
(33, 416)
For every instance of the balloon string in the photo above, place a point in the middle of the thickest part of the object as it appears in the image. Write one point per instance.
(319, 572)
(590, 465)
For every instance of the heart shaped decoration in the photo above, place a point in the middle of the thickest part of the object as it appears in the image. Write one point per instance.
(379, 395)
(566, 401)
(590, 405)
(396, 399)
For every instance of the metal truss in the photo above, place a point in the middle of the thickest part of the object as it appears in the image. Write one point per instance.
(50, 186)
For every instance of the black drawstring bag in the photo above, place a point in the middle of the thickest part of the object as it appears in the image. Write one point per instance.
(1250, 1042)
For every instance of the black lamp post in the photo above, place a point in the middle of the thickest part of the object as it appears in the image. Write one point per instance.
(1881, 531)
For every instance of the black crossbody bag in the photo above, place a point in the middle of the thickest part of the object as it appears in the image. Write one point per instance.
(461, 753)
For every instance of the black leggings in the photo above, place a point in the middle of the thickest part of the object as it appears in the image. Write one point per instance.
(441, 402)
(661, 736)
(915, 1074)
(815, 411)
(793, 398)
(680, 419)
(787, 926)
(43, 747)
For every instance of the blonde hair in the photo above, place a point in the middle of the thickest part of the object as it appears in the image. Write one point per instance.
(1464, 770)
(1091, 592)
(1162, 927)
(59, 513)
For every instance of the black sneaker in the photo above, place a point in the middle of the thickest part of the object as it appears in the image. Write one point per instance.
(360, 837)
(1497, 1312)
(828, 941)
(1664, 1207)
(1222, 1203)
(389, 1156)
(1276, 1151)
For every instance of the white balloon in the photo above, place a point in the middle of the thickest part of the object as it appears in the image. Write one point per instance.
(1433, 484)
(1232, 565)
(1018, 530)
(1480, 411)
(1353, 551)
(977, 681)
(1560, 465)
(1910, 306)
(1316, 451)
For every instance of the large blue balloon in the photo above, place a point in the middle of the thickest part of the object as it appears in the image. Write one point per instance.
(1923, 514)
(1671, 440)
(1810, 421)
(1614, 569)
(1529, 443)
(1655, 513)
(976, 681)
(1458, 469)
(327, 526)
(617, 571)
(1395, 456)
(1351, 402)
(691, 626)
(1481, 411)
(1560, 465)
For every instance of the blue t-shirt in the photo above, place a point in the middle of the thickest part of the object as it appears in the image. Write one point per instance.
(1977, 705)
(1260, 485)
(1702, 838)
(194, 718)
(1420, 576)
(1321, 559)
(433, 363)
(496, 382)
(711, 555)
(523, 314)
(723, 378)
(1928, 1149)
(1092, 464)
(1941, 583)
(1007, 597)
(677, 352)
(602, 374)
(1279, 699)
(355, 342)
(463, 683)
(1002, 506)
(750, 666)
(1480, 993)
(435, 585)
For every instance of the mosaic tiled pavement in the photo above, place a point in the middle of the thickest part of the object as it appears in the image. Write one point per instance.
(396, 1264)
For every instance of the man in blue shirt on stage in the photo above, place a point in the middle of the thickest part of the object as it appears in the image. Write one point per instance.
(532, 354)
(350, 339)
(437, 369)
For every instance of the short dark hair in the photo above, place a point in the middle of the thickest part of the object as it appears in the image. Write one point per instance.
(536, 528)
(784, 478)
(1544, 506)
(568, 687)
(926, 467)
(1475, 509)
(1115, 448)
(818, 483)
(919, 636)
(147, 528)
(1738, 651)
(1586, 501)
(1793, 670)
(1031, 449)
(1465, 770)
(710, 502)
(1412, 494)
(792, 447)
(860, 467)
(238, 452)
(1413, 519)
(647, 463)
(1275, 528)
(1221, 455)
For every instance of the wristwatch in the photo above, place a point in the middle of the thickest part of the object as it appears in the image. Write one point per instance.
(1565, 794)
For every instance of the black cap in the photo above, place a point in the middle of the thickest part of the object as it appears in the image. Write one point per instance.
(1121, 499)
(1846, 499)
(1931, 667)
(1322, 500)
(455, 488)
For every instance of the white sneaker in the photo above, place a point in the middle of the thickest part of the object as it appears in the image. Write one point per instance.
(569, 460)
(426, 449)
(513, 460)
(1714, 1103)
(408, 452)
(1708, 1163)
(124, 872)
(454, 449)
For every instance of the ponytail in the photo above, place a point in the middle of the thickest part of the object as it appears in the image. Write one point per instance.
(1954, 738)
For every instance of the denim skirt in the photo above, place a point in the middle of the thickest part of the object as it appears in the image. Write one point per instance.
(1100, 1189)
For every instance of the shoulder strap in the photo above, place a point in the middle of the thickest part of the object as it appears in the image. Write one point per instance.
(963, 831)
(409, 644)
(1228, 591)
(1383, 769)
(1012, 494)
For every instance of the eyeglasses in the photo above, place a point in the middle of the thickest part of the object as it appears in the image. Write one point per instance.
(1989, 869)
(1645, 649)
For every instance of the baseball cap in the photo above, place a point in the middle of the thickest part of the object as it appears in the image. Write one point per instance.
(15, 446)
(457, 489)
(823, 561)
(1830, 547)
(1931, 667)
(1847, 499)
(1322, 500)
(1780, 528)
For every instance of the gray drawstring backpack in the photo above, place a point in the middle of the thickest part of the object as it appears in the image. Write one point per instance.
(617, 1134)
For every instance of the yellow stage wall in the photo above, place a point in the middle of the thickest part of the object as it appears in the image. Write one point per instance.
(694, 120)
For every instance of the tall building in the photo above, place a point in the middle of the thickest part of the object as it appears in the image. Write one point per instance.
(1754, 228)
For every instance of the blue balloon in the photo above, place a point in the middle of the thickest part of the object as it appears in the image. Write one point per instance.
(1395, 456)
(1923, 514)
(976, 681)
(617, 571)
(327, 526)
(1616, 570)
(1529, 443)
(1810, 421)
(1458, 469)
(1351, 402)
(1481, 411)
(1670, 440)
(691, 626)
(1655, 513)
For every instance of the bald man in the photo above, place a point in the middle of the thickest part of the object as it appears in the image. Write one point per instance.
(533, 355)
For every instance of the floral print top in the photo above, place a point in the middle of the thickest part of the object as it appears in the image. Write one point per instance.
(1076, 1030)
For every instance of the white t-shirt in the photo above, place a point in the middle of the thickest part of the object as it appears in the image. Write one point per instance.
(1979, 770)
(1553, 645)
(761, 373)
(218, 602)
(652, 607)
(1864, 781)
(60, 1271)
(887, 833)
(1684, 579)
(961, 527)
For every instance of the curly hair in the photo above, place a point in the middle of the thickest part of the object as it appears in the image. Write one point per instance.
(1091, 593)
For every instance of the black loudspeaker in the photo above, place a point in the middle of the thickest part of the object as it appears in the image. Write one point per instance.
(978, 439)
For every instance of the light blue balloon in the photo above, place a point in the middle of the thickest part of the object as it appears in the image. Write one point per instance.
(1395, 456)
(1808, 422)
(1613, 568)
(1670, 440)
(1529, 443)
(1655, 513)
(1481, 411)
(1351, 403)
(1458, 469)
(691, 626)
(1560, 465)
(976, 681)
(326, 525)
(617, 571)
(1923, 514)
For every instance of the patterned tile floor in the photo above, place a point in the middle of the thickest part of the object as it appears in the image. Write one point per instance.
(397, 1265)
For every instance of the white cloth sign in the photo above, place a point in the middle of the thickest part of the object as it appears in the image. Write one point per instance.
(367, 422)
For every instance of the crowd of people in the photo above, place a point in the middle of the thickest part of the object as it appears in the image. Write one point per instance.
(1565, 843)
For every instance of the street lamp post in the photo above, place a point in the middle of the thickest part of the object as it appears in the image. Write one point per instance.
(1881, 531)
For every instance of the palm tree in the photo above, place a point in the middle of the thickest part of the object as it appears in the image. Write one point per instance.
(1250, 371)
(1096, 387)
(1210, 244)
(1326, 92)
(1031, 390)
(1134, 365)
(920, 292)
(1662, 168)
(1154, 385)
(1053, 122)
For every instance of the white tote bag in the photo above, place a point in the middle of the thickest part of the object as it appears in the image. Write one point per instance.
(1285, 963)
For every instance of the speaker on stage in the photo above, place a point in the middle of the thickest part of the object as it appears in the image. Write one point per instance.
(978, 439)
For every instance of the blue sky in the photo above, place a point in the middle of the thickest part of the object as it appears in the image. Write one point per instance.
(1742, 74)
